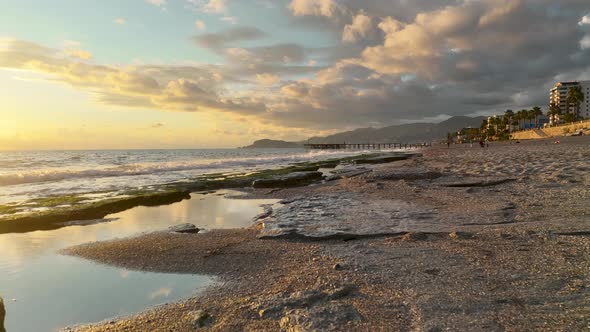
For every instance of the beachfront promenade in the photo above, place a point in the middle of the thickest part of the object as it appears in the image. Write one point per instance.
(554, 131)
(365, 146)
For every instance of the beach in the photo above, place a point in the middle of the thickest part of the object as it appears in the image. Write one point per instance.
(461, 238)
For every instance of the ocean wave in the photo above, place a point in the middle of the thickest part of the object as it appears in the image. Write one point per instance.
(199, 166)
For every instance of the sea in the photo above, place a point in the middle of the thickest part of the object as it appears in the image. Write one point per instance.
(26, 175)
(45, 290)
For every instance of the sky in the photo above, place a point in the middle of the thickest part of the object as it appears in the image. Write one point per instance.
(143, 74)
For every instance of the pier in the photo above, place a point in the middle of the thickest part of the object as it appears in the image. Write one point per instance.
(366, 146)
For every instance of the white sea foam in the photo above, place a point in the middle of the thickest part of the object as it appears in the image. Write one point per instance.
(187, 164)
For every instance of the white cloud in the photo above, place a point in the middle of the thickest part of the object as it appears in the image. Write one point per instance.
(199, 24)
(360, 27)
(215, 6)
(585, 42)
(326, 8)
(159, 3)
(585, 20)
(120, 21)
(267, 79)
(72, 48)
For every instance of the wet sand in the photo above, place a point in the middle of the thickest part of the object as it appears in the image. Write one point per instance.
(500, 242)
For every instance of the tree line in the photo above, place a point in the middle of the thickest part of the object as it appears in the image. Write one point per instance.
(500, 127)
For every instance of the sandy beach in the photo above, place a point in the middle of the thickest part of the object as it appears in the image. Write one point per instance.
(462, 239)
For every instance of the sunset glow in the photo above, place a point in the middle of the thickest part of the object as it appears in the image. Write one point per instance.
(220, 73)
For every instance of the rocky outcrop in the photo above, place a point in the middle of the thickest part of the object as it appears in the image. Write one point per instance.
(479, 183)
(273, 144)
(383, 159)
(54, 218)
(199, 318)
(343, 216)
(348, 172)
(290, 180)
(316, 309)
(408, 175)
(184, 229)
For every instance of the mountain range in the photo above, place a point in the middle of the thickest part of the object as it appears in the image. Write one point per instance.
(406, 133)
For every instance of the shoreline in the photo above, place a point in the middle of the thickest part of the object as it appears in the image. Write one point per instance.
(57, 211)
(503, 256)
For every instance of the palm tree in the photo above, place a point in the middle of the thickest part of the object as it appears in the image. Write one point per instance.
(536, 112)
(514, 122)
(508, 115)
(499, 127)
(575, 97)
(503, 122)
(522, 115)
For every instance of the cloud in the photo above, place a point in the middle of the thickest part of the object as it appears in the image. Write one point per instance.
(384, 62)
(120, 21)
(220, 40)
(267, 79)
(461, 58)
(210, 6)
(72, 48)
(585, 20)
(200, 25)
(360, 27)
(327, 8)
(159, 3)
(169, 88)
(216, 6)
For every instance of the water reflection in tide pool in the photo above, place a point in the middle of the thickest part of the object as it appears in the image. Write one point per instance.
(52, 291)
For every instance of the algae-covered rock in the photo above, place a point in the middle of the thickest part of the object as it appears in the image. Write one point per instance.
(53, 219)
(288, 180)
(199, 318)
(383, 159)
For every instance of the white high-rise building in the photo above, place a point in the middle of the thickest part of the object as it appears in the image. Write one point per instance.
(558, 96)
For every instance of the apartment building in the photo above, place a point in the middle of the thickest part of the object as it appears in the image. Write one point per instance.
(558, 96)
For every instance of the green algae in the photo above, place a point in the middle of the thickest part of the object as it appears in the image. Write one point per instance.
(55, 218)
(9, 209)
(53, 201)
(60, 209)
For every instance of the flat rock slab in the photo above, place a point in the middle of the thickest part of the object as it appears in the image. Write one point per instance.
(383, 159)
(347, 173)
(344, 215)
(289, 180)
(184, 229)
(408, 175)
(475, 182)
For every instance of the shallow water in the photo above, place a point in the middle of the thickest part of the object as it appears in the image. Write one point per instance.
(32, 174)
(51, 291)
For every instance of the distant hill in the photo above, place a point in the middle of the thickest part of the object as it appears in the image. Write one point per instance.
(273, 144)
(406, 133)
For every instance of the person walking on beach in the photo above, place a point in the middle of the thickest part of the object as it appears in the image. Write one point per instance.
(487, 143)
